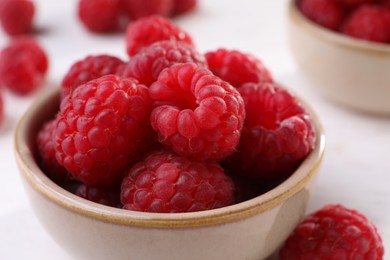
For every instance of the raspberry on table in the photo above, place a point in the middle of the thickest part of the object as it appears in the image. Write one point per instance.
(184, 6)
(196, 114)
(23, 66)
(148, 30)
(103, 127)
(368, 22)
(99, 15)
(167, 183)
(146, 65)
(328, 13)
(16, 16)
(90, 68)
(46, 154)
(236, 67)
(334, 232)
(101, 195)
(277, 134)
(137, 9)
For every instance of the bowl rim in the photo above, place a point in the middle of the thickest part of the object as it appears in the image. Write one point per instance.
(334, 37)
(31, 172)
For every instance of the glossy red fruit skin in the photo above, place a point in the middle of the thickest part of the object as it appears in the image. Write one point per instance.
(277, 135)
(102, 128)
(148, 30)
(167, 183)
(196, 114)
(147, 64)
(334, 232)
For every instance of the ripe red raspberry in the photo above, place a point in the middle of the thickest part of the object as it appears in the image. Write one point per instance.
(17, 16)
(23, 66)
(277, 133)
(148, 30)
(385, 3)
(102, 127)
(147, 64)
(99, 15)
(104, 196)
(196, 114)
(184, 6)
(328, 13)
(236, 67)
(368, 22)
(89, 68)
(137, 9)
(46, 153)
(165, 182)
(355, 3)
(334, 232)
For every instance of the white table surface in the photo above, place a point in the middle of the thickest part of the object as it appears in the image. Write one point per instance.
(356, 167)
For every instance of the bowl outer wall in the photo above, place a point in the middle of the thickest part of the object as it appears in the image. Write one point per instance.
(349, 71)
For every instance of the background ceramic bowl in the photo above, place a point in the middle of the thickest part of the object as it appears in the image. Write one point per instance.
(249, 230)
(353, 72)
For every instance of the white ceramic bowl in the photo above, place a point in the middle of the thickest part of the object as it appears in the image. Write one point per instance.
(352, 72)
(249, 230)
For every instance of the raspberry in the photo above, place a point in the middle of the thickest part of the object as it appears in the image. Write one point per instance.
(46, 153)
(146, 31)
(236, 67)
(277, 133)
(385, 3)
(334, 232)
(328, 13)
(102, 127)
(99, 15)
(184, 6)
(355, 3)
(147, 64)
(196, 114)
(16, 16)
(23, 66)
(368, 22)
(167, 183)
(89, 68)
(137, 9)
(104, 196)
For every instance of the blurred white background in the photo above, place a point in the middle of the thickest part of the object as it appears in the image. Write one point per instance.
(356, 167)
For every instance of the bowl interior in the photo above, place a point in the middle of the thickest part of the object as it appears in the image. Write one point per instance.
(45, 108)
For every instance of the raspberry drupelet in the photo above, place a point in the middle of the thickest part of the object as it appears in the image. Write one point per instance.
(147, 64)
(196, 114)
(277, 134)
(103, 127)
(165, 182)
(148, 30)
(237, 67)
(334, 232)
(47, 156)
(23, 65)
(90, 68)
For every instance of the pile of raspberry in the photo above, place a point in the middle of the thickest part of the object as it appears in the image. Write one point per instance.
(171, 129)
(362, 19)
